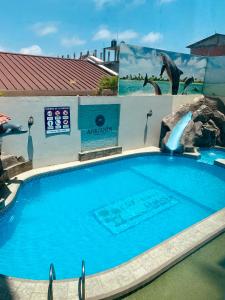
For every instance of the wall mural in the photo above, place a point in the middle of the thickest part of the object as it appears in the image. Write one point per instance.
(147, 71)
(99, 125)
(215, 77)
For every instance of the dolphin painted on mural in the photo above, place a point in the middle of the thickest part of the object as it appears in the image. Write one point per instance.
(154, 84)
(172, 71)
(187, 82)
(10, 129)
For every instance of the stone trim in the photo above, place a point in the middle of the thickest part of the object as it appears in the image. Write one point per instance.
(87, 155)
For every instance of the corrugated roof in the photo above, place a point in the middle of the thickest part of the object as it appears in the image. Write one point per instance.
(22, 74)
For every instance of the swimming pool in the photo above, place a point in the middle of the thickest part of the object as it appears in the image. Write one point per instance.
(209, 155)
(106, 214)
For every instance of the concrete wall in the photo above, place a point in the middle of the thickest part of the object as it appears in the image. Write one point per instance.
(47, 150)
(134, 131)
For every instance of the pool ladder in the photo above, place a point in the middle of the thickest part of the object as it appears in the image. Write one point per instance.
(81, 282)
(52, 277)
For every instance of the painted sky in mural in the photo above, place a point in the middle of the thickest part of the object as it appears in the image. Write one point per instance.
(182, 73)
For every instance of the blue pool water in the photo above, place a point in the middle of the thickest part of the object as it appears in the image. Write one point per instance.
(105, 214)
(209, 155)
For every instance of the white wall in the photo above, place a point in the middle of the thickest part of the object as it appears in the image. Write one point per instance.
(134, 130)
(47, 150)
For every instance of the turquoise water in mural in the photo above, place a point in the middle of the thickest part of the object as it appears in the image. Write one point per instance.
(106, 213)
(91, 139)
(135, 87)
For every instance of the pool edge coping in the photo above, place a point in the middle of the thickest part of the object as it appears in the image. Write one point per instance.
(145, 267)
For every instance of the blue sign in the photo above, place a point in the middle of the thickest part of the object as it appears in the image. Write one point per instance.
(57, 119)
(99, 126)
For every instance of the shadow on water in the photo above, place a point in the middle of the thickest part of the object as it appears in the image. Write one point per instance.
(6, 292)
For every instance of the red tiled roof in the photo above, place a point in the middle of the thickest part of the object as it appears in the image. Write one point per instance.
(4, 119)
(39, 75)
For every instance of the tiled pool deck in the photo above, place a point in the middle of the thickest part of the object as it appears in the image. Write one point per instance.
(123, 278)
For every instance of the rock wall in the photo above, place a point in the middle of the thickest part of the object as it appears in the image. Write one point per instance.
(206, 129)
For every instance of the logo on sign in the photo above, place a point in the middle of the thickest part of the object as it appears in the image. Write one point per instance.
(58, 122)
(100, 120)
(49, 113)
(50, 123)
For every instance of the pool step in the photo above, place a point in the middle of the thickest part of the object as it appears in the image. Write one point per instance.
(13, 165)
(86, 155)
(18, 168)
(10, 160)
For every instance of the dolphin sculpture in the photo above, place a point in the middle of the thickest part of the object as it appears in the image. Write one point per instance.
(187, 82)
(172, 71)
(154, 84)
(10, 129)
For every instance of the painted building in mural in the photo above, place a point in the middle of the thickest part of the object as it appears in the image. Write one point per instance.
(148, 71)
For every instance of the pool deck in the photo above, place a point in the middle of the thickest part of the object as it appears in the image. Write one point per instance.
(126, 277)
(203, 271)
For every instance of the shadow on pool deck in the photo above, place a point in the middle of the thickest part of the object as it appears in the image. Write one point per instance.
(201, 276)
(6, 292)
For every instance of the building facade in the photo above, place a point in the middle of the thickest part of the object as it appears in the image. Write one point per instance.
(213, 45)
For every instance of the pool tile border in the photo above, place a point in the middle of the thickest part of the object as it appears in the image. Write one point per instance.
(128, 276)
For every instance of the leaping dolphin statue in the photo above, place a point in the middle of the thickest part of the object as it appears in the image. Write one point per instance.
(10, 129)
(187, 82)
(172, 71)
(154, 84)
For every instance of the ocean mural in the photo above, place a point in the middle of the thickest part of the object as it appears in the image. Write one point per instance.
(148, 71)
(214, 84)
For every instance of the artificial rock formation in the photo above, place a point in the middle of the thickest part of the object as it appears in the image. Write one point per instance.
(206, 129)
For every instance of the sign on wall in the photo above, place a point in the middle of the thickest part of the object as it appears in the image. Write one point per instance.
(57, 119)
(99, 126)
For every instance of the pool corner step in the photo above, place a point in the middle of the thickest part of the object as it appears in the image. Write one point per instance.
(87, 155)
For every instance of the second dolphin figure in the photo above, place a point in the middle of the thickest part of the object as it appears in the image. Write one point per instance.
(154, 84)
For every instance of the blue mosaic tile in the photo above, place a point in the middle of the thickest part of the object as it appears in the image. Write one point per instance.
(120, 216)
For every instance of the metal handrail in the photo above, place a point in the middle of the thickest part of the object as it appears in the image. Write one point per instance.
(81, 283)
(52, 277)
